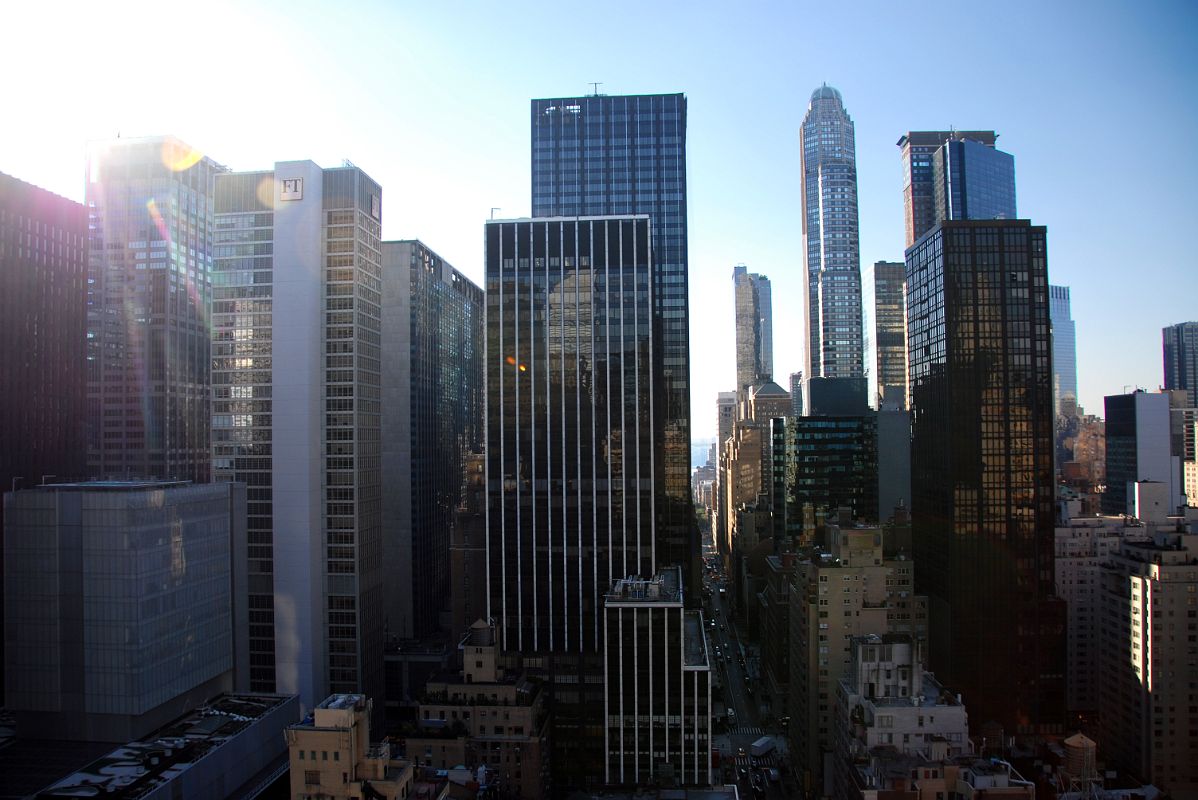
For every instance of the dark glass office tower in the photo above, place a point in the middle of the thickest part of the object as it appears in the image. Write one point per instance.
(574, 466)
(43, 335)
(1180, 346)
(432, 318)
(832, 298)
(981, 467)
(149, 204)
(603, 155)
(919, 178)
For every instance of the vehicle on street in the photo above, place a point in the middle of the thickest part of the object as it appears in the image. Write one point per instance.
(762, 746)
(732, 715)
(773, 774)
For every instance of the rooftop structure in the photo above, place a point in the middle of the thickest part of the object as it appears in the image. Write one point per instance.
(211, 752)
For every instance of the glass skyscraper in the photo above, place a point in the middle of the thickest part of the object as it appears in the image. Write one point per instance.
(432, 423)
(832, 299)
(754, 330)
(605, 155)
(149, 205)
(982, 467)
(574, 467)
(1064, 351)
(972, 181)
(1180, 347)
(919, 149)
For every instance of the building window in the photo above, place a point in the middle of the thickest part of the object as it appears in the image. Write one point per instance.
(311, 777)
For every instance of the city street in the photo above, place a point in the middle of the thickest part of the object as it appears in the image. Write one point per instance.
(741, 694)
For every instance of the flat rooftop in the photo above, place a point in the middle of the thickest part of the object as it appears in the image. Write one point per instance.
(110, 486)
(694, 647)
(138, 768)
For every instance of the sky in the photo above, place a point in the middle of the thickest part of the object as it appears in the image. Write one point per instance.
(1096, 101)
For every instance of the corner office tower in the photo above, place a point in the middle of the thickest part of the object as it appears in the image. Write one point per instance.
(296, 374)
(616, 155)
(574, 467)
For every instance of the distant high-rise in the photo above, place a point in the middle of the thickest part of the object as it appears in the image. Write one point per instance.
(754, 330)
(432, 422)
(575, 467)
(981, 467)
(832, 298)
(982, 185)
(1139, 448)
(296, 375)
(796, 394)
(885, 308)
(1180, 345)
(149, 205)
(626, 154)
(1064, 351)
(43, 339)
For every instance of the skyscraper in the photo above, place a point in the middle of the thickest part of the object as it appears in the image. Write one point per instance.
(43, 325)
(972, 181)
(432, 422)
(885, 310)
(832, 300)
(1180, 345)
(149, 204)
(981, 467)
(604, 155)
(296, 376)
(574, 466)
(1064, 351)
(920, 178)
(754, 330)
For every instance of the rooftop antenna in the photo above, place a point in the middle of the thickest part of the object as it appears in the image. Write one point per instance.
(494, 209)
(596, 85)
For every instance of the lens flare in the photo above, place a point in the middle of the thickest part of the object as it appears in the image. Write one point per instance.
(266, 192)
(177, 156)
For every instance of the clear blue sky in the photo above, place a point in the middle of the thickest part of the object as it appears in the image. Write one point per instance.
(1096, 100)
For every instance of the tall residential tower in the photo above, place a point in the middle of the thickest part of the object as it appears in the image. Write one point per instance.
(832, 299)
(1064, 352)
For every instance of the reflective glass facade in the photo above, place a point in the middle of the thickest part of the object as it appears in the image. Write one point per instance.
(432, 423)
(919, 187)
(981, 467)
(149, 204)
(601, 155)
(832, 299)
(574, 466)
(120, 604)
(972, 181)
